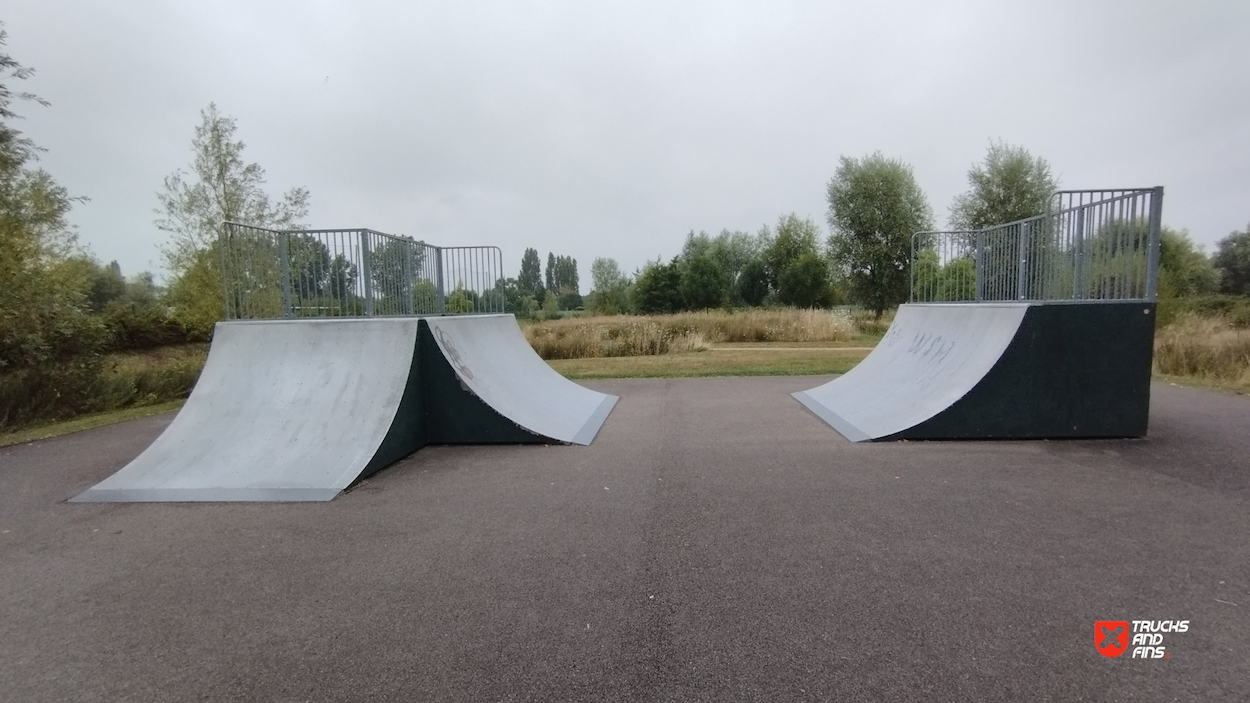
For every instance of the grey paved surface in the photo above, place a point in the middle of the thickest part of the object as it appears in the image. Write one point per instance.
(717, 542)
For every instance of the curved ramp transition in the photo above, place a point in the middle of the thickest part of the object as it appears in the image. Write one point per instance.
(998, 371)
(296, 410)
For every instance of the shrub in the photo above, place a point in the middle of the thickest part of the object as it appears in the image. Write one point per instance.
(136, 326)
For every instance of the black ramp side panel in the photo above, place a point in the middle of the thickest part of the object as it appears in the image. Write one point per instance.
(1072, 370)
(408, 431)
(453, 415)
(494, 364)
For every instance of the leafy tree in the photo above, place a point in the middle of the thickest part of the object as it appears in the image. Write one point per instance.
(1184, 269)
(752, 286)
(875, 205)
(1232, 258)
(805, 282)
(794, 238)
(609, 293)
(458, 301)
(219, 187)
(561, 281)
(730, 250)
(605, 274)
(107, 285)
(530, 280)
(733, 250)
(658, 288)
(703, 283)
(565, 276)
(46, 333)
(1010, 184)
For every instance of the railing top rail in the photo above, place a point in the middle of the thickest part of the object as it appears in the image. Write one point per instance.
(340, 230)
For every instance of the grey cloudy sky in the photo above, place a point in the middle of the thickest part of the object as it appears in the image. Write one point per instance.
(613, 128)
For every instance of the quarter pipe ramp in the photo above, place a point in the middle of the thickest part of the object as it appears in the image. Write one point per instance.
(296, 410)
(998, 371)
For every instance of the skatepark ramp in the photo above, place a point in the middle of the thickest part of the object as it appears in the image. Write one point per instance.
(1043, 327)
(998, 371)
(296, 410)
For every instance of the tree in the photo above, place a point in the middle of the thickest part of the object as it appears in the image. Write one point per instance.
(733, 250)
(605, 274)
(730, 250)
(752, 287)
(795, 237)
(530, 280)
(1232, 258)
(47, 336)
(609, 293)
(220, 187)
(658, 288)
(875, 205)
(703, 283)
(550, 273)
(1184, 270)
(805, 282)
(1009, 185)
(565, 277)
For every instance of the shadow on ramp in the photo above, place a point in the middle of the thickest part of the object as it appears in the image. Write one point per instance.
(998, 371)
(296, 410)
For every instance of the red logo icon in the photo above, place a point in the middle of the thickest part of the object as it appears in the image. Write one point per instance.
(1111, 637)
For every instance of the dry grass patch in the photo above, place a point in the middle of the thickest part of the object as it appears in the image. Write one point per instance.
(630, 335)
(1210, 349)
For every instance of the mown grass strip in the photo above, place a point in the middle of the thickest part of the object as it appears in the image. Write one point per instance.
(729, 362)
(86, 422)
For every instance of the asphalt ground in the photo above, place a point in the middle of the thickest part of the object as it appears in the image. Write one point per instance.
(716, 542)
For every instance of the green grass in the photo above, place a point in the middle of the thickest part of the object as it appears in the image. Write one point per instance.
(86, 422)
(736, 361)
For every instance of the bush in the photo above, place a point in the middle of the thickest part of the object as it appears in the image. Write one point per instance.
(1234, 310)
(136, 326)
(96, 384)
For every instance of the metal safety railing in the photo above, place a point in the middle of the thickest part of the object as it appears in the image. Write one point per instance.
(268, 274)
(1089, 245)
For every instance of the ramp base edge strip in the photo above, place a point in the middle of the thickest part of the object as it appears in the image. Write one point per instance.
(588, 431)
(831, 418)
(205, 495)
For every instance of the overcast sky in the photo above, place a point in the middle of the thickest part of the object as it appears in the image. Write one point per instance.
(612, 129)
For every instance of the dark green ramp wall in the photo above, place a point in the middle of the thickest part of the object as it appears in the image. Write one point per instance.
(454, 415)
(1072, 370)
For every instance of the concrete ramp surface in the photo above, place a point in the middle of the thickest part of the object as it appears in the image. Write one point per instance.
(283, 411)
(998, 371)
(296, 410)
(492, 359)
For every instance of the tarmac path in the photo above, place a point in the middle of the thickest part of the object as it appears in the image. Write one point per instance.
(716, 542)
